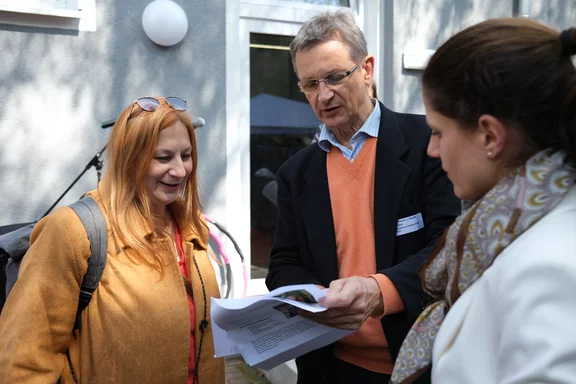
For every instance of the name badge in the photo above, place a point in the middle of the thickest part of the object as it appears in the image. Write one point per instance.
(410, 224)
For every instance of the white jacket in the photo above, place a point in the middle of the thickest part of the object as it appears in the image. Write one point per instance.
(517, 323)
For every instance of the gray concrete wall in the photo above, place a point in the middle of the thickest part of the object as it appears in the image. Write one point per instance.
(425, 24)
(560, 14)
(57, 85)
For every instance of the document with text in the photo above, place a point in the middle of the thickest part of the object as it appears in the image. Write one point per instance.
(267, 330)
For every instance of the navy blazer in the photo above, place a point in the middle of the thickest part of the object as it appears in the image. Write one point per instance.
(407, 182)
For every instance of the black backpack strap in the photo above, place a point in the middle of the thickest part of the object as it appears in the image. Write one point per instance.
(97, 230)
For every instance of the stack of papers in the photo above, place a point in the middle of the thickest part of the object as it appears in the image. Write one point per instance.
(267, 330)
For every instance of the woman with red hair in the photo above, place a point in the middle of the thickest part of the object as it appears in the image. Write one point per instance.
(148, 320)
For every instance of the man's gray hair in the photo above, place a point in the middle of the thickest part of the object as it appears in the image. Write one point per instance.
(328, 26)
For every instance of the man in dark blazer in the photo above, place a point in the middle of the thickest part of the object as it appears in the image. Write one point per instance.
(413, 202)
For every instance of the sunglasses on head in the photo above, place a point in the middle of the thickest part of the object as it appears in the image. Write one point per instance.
(150, 104)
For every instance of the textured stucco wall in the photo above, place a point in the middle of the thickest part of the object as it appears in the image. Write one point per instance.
(57, 85)
(425, 24)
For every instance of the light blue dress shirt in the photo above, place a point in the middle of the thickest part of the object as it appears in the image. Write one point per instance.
(370, 128)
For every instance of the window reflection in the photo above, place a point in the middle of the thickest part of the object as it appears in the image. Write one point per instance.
(281, 123)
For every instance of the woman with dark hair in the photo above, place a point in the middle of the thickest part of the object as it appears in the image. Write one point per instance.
(147, 320)
(500, 98)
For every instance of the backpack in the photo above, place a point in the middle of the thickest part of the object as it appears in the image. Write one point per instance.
(13, 247)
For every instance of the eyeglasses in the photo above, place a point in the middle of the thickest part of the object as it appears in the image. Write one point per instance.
(150, 104)
(331, 80)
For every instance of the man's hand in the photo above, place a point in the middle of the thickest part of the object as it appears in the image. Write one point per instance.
(350, 301)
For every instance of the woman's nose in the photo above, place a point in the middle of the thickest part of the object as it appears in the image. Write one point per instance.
(178, 169)
(433, 148)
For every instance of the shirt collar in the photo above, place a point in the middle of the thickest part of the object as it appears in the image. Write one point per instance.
(370, 127)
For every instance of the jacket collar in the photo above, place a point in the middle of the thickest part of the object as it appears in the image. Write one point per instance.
(189, 235)
(391, 175)
(390, 139)
(390, 136)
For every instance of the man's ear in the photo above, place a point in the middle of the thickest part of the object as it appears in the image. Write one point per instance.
(368, 69)
(493, 135)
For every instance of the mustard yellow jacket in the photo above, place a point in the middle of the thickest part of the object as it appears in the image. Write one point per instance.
(135, 330)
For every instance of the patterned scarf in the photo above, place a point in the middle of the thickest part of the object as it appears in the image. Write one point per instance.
(472, 243)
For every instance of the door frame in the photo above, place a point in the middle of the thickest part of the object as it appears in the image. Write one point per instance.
(277, 17)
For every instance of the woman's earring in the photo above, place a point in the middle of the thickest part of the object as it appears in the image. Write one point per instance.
(489, 154)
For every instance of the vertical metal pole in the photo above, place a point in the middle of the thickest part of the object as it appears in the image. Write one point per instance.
(521, 8)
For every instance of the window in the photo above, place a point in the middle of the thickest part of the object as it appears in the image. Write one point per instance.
(64, 8)
(62, 14)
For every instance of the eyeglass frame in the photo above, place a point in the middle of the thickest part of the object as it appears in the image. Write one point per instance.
(326, 81)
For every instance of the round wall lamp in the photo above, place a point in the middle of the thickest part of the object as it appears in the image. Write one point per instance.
(164, 22)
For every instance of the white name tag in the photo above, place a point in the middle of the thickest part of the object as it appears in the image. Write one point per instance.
(409, 224)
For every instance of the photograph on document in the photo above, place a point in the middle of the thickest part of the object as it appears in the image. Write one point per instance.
(287, 310)
(298, 295)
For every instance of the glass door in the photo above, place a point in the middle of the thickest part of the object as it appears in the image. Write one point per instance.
(282, 123)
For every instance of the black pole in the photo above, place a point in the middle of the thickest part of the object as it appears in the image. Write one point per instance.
(521, 8)
(95, 162)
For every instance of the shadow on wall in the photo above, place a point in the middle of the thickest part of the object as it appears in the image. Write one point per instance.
(426, 25)
(558, 13)
(58, 85)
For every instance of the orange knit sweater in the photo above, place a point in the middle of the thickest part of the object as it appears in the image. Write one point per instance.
(352, 198)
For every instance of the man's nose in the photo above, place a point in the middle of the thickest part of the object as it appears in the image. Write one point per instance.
(325, 93)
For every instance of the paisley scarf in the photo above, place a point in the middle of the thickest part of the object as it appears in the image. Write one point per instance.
(472, 243)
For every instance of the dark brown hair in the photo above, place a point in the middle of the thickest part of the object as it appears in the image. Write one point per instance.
(514, 69)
